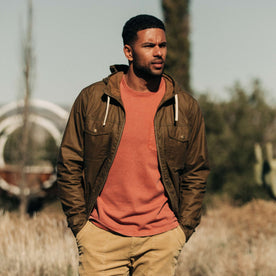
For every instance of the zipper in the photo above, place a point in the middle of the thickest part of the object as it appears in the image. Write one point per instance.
(163, 173)
(116, 149)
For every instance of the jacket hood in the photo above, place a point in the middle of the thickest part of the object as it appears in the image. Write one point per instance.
(118, 68)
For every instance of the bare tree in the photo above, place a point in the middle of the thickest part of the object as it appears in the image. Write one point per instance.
(28, 64)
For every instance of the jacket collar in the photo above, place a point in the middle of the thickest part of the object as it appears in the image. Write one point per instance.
(117, 71)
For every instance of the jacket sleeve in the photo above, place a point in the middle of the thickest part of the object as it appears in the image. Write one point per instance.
(193, 180)
(70, 168)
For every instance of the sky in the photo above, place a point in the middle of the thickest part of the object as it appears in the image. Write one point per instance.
(75, 42)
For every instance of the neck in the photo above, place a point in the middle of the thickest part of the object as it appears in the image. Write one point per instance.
(142, 83)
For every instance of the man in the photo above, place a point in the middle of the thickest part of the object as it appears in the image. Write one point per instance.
(133, 163)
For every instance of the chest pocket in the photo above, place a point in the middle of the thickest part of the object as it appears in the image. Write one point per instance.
(97, 140)
(177, 144)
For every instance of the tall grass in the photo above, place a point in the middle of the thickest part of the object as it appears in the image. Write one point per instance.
(233, 241)
(229, 241)
(41, 245)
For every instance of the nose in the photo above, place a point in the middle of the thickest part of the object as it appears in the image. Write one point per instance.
(157, 51)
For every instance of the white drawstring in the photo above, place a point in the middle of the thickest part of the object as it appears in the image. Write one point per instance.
(176, 108)
(106, 110)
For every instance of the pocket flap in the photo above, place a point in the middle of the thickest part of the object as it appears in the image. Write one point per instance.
(180, 134)
(96, 128)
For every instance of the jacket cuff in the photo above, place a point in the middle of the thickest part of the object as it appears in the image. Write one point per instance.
(76, 223)
(188, 231)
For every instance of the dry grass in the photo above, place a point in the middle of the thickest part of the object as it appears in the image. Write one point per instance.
(42, 245)
(233, 241)
(229, 241)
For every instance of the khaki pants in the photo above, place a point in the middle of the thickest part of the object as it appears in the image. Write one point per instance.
(108, 254)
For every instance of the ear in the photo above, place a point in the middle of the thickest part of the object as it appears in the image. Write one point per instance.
(128, 52)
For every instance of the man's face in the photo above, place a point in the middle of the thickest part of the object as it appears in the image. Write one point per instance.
(148, 52)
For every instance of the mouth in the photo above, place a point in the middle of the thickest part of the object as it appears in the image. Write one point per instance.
(158, 64)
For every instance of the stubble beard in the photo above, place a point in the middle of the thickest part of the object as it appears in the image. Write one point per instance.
(146, 73)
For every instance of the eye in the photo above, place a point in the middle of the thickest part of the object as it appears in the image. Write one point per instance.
(163, 45)
(148, 45)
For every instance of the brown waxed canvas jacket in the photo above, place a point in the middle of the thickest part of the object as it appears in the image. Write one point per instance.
(92, 137)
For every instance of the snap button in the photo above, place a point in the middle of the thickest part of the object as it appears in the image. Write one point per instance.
(182, 137)
(95, 130)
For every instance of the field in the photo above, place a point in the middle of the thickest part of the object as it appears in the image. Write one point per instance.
(230, 241)
(233, 241)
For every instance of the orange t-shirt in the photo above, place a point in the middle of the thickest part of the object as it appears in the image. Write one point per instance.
(133, 201)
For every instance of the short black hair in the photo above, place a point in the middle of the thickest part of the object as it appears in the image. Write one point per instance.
(138, 23)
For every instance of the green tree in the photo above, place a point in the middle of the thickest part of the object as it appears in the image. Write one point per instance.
(176, 15)
(233, 128)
